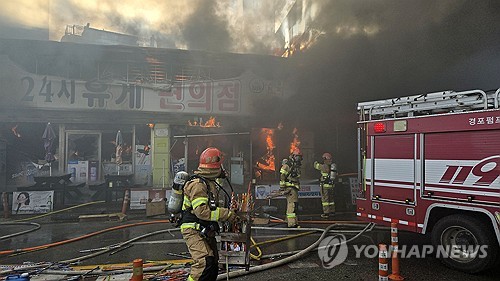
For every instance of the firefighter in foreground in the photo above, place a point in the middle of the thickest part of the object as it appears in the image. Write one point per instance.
(290, 185)
(328, 171)
(200, 215)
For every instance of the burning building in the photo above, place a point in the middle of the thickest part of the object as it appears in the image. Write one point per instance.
(153, 96)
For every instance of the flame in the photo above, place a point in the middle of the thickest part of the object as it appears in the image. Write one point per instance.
(15, 132)
(280, 126)
(302, 42)
(210, 123)
(296, 142)
(152, 60)
(269, 158)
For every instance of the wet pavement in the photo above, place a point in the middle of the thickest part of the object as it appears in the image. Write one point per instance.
(168, 246)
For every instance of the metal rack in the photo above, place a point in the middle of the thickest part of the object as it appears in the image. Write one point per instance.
(235, 245)
(235, 241)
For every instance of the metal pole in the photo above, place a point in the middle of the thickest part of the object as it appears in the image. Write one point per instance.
(134, 150)
(163, 175)
(186, 149)
(5, 202)
(250, 163)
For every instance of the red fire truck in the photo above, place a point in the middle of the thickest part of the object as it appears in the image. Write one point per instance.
(431, 163)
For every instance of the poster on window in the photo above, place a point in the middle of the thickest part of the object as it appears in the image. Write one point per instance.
(306, 191)
(139, 197)
(32, 202)
(142, 174)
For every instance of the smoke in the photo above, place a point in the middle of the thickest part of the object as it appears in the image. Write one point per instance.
(381, 49)
(222, 26)
(204, 30)
(367, 50)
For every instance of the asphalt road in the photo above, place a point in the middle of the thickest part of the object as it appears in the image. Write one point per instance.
(155, 248)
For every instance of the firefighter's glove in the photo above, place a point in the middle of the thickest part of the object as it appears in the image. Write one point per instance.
(235, 218)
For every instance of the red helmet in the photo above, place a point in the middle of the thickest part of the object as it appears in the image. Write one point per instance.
(327, 156)
(211, 158)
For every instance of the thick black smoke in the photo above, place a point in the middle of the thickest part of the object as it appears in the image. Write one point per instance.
(420, 46)
(204, 30)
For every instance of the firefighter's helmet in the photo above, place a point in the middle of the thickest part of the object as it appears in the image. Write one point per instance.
(296, 152)
(211, 158)
(327, 156)
(296, 156)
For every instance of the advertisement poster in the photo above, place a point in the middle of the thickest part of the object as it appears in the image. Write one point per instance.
(23, 174)
(306, 191)
(139, 197)
(111, 169)
(79, 171)
(72, 165)
(32, 202)
(142, 173)
(93, 171)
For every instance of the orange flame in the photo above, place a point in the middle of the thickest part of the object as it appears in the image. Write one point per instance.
(210, 123)
(152, 60)
(269, 158)
(296, 142)
(15, 132)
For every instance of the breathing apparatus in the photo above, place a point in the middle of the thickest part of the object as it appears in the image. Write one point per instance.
(176, 198)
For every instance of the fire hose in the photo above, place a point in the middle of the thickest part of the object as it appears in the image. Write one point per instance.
(59, 211)
(107, 249)
(294, 257)
(8, 252)
(296, 254)
(37, 226)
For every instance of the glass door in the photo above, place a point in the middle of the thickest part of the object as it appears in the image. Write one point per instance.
(83, 154)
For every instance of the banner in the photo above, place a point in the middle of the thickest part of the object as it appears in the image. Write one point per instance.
(32, 202)
(306, 191)
(139, 198)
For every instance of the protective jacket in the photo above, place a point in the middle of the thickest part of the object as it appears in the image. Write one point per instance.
(289, 176)
(199, 222)
(328, 174)
(200, 205)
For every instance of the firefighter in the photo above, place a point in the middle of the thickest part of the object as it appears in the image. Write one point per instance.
(290, 185)
(200, 215)
(328, 171)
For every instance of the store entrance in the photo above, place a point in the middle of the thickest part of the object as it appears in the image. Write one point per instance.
(83, 154)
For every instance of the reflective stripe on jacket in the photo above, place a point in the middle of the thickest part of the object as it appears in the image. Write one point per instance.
(196, 201)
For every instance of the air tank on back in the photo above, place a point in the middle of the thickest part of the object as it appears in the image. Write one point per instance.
(176, 196)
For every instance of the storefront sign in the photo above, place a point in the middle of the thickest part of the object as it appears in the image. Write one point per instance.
(224, 97)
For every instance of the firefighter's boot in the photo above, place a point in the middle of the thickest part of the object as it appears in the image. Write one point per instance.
(292, 199)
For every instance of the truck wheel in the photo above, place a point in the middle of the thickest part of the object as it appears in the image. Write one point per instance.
(462, 238)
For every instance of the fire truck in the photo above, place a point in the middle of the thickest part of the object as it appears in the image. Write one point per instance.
(431, 164)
